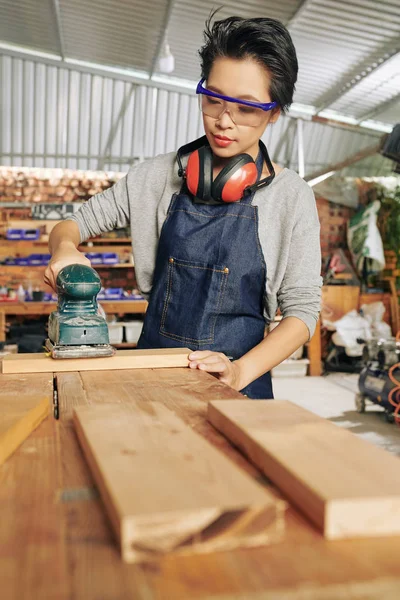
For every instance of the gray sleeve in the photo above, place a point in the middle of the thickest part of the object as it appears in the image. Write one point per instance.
(300, 292)
(104, 212)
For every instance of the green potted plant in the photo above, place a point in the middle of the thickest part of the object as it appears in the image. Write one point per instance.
(390, 221)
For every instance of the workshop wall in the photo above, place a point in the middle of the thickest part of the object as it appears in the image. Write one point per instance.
(334, 219)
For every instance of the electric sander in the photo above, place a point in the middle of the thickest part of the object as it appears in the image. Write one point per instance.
(76, 329)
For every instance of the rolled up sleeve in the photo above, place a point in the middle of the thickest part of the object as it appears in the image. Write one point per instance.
(300, 292)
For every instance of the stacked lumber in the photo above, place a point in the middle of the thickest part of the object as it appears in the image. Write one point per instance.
(52, 185)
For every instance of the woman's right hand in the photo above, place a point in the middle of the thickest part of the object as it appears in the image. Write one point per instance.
(66, 254)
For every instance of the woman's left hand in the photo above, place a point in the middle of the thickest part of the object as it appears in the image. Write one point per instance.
(217, 364)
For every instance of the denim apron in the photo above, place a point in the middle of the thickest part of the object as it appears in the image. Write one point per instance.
(209, 282)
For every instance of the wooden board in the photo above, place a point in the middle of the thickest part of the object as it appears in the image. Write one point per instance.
(337, 300)
(345, 485)
(20, 413)
(31, 540)
(2, 325)
(164, 488)
(123, 359)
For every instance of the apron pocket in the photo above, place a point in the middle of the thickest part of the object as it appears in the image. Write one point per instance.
(193, 300)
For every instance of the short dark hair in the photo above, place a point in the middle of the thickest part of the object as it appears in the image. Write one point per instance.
(265, 40)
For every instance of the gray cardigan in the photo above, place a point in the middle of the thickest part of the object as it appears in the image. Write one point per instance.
(288, 231)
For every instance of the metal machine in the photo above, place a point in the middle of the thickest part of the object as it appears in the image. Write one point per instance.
(76, 329)
(379, 381)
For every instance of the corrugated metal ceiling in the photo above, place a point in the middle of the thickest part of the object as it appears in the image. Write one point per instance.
(348, 55)
(186, 25)
(117, 33)
(58, 115)
(348, 51)
(29, 23)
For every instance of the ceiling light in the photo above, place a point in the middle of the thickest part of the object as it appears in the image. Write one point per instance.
(166, 62)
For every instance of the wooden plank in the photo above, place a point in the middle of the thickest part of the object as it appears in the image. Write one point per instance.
(32, 547)
(164, 488)
(123, 359)
(346, 486)
(2, 325)
(337, 300)
(20, 414)
(90, 542)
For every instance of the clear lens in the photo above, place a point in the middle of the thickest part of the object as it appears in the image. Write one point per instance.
(239, 113)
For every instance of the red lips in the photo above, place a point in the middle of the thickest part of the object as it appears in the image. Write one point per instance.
(222, 141)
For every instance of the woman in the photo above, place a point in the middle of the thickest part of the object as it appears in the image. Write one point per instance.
(220, 240)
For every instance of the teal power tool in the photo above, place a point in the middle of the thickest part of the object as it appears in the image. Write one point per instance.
(76, 329)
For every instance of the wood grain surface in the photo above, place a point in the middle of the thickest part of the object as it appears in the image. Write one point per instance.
(22, 409)
(337, 479)
(166, 489)
(32, 534)
(123, 359)
(56, 541)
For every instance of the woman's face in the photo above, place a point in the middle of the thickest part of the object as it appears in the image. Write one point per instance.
(246, 80)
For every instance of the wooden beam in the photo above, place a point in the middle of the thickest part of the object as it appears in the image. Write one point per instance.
(165, 488)
(346, 486)
(123, 359)
(2, 326)
(22, 409)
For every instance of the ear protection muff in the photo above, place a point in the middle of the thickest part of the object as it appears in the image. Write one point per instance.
(237, 179)
(230, 183)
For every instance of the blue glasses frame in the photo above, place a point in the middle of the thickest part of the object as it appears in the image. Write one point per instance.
(264, 106)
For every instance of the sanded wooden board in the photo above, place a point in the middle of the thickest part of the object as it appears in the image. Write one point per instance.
(346, 486)
(20, 413)
(123, 359)
(165, 488)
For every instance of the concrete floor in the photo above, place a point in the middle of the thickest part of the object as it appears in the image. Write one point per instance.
(332, 397)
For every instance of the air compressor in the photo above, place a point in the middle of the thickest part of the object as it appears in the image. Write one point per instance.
(379, 380)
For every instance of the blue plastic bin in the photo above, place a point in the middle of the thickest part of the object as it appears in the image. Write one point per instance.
(110, 258)
(22, 262)
(114, 293)
(15, 234)
(30, 234)
(95, 258)
(35, 259)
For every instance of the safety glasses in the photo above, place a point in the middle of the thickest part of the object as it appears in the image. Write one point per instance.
(242, 112)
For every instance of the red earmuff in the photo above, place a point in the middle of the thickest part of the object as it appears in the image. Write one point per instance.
(231, 186)
(230, 183)
(193, 173)
(237, 178)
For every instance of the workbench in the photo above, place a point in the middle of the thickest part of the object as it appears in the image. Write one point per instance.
(56, 541)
